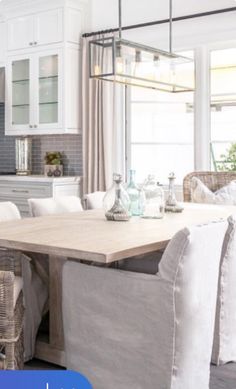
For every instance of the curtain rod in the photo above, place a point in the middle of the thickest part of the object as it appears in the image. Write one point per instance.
(163, 21)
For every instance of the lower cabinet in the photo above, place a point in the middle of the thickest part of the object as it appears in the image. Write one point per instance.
(19, 189)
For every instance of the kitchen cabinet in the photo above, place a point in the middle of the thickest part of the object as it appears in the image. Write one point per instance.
(43, 83)
(42, 28)
(19, 189)
(35, 84)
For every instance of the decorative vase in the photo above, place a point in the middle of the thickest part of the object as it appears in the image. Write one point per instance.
(136, 196)
(116, 201)
(53, 170)
(155, 204)
(23, 156)
(171, 202)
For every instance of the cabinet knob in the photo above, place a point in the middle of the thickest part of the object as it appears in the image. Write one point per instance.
(31, 43)
(35, 43)
(31, 126)
(35, 126)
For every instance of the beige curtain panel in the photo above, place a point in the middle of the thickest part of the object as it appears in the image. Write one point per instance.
(101, 117)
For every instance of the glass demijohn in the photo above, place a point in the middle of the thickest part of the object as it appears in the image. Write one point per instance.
(116, 201)
(154, 208)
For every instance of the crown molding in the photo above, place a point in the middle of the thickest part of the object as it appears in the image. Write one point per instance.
(13, 8)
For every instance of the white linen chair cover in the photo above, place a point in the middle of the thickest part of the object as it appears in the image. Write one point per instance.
(128, 330)
(94, 200)
(224, 347)
(52, 206)
(34, 290)
(8, 211)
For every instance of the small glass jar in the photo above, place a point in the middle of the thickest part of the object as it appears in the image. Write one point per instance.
(116, 201)
(155, 202)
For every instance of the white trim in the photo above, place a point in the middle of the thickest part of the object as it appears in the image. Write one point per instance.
(202, 123)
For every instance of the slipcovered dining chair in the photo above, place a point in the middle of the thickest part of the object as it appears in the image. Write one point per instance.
(94, 200)
(52, 206)
(224, 347)
(146, 331)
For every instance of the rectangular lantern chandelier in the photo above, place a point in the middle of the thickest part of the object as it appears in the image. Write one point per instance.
(118, 60)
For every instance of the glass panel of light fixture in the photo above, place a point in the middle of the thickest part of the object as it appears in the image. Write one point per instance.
(137, 66)
(101, 57)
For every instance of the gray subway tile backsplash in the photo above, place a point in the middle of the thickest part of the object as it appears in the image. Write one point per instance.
(69, 145)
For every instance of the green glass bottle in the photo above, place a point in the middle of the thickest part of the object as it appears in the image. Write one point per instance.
(135, 195)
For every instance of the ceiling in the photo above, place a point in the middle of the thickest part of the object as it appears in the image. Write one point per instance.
(105, 12)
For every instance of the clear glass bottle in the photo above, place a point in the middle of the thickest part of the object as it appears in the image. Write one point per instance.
(171, 202)
(171, 199)
(135, 196)
(155, 202)
(116, 201)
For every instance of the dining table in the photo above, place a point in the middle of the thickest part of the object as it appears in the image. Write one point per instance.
(88, 236)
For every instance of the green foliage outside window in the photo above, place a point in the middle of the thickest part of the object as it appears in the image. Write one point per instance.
(228, 160)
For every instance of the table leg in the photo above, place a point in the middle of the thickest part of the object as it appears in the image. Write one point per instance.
(56, 336)
(52, 349)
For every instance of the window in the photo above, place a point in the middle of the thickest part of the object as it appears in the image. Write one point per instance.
(160, 126)
(160, 133)
(223, 106)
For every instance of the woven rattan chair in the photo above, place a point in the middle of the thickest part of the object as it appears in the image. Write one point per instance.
(11, 300)
(11, 311)
(213, 180)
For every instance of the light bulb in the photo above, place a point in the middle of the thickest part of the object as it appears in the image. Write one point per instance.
(156, 67)
(97, 70)
(119, 60)
(172, 74)
(119, 65)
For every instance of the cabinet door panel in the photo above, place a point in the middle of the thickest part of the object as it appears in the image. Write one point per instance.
(19, 95)
(49, 90)
(48, 27)
(20, 32)
(20, 92)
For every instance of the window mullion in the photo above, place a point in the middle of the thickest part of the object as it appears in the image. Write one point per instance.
(202, 125)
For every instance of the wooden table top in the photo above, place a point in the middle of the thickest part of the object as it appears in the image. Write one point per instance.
(88, 235)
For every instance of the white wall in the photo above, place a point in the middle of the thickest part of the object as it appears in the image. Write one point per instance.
(189, 33)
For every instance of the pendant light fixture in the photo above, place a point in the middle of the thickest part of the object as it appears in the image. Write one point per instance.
(118, 60)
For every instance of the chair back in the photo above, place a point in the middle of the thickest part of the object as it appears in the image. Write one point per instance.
(224, 347)
(213, 180)
(8, 211)
(53, 206)
(94, 200)
(155, 331)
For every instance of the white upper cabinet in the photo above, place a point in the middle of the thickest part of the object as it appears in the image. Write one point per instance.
(20, 32)
(48, 27)
(42, 93)
(43, 55)
(34, 93)
(42, 28)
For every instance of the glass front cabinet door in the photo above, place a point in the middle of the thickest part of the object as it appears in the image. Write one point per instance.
(20, 93)
(33, 94)
(48, 110)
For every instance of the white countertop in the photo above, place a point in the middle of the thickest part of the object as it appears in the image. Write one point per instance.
(39, 178)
